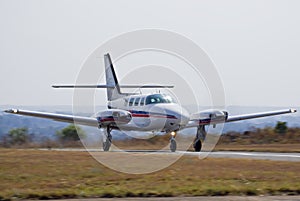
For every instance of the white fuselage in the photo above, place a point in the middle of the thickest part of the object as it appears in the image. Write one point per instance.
(152, 112)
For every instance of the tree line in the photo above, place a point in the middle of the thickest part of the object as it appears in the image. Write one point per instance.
(280, 134)
(21, 137)
(70, 137)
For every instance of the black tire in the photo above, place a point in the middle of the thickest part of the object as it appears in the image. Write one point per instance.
(173, 145)
(197, 145)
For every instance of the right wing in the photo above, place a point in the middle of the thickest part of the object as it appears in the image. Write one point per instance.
(87, 121)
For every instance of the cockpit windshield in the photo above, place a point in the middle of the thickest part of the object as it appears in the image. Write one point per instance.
(158, 98)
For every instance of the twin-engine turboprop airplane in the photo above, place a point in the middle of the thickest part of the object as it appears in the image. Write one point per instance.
(149, 112)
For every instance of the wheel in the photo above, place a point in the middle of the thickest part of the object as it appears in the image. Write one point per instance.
(197, 145)
(106, 145)
(173, 145)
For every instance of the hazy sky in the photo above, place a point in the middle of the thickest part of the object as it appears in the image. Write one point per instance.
(255, 44)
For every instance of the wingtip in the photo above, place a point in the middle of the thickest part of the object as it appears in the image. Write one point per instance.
(13, 111)
(293, 110)
(7, 111)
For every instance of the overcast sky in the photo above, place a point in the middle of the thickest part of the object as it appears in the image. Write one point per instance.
(254, 44)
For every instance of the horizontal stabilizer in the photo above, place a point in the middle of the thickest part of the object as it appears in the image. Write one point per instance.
(112, 87)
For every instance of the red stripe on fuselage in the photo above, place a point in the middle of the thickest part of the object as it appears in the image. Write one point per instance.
(153, 116)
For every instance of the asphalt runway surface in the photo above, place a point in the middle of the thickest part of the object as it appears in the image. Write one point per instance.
(293, 157)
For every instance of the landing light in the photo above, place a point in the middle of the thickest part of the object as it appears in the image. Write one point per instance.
(173, 133)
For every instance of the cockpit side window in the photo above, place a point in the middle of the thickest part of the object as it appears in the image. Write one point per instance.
(158, 98)
(142, 101)
(131, 101)
(136, 102)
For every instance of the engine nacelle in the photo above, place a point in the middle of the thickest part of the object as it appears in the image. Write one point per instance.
(212, 115)
(113, 117)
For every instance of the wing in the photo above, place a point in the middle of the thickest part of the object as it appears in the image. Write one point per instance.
(216, 117)
(87, 121)
(259, 115)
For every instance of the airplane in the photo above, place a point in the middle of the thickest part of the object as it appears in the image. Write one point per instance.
(144, 112)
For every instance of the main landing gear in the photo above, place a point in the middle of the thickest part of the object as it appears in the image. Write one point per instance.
(108, 138)
(200, 136)
(173, 144)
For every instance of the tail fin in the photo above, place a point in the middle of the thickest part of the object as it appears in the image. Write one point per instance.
(111, 80)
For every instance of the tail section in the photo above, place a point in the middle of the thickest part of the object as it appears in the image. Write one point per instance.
(112, 85)
(114, 91)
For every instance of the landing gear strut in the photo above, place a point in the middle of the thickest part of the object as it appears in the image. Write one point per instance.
(108, 139)
(173, 144)
(200, 136)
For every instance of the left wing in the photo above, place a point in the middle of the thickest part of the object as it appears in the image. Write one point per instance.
(258, 115)
(212, 117)
(87, 121)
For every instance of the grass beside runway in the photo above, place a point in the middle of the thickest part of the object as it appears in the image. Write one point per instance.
(33, 174)
(277, 148)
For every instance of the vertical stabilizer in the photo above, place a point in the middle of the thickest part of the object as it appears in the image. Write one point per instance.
(111, 80)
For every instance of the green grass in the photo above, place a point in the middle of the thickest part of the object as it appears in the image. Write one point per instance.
(261, 140)
(30, 174)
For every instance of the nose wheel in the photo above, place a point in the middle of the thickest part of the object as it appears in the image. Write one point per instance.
(173, 144)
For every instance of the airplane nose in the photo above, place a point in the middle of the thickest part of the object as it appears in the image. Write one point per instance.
(181, 116)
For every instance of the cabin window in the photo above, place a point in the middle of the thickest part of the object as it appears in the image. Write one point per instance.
(142, 101)
(131, 101)
(136, 102)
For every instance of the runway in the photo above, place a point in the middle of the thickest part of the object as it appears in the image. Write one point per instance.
(293, 157)
(253, 155)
